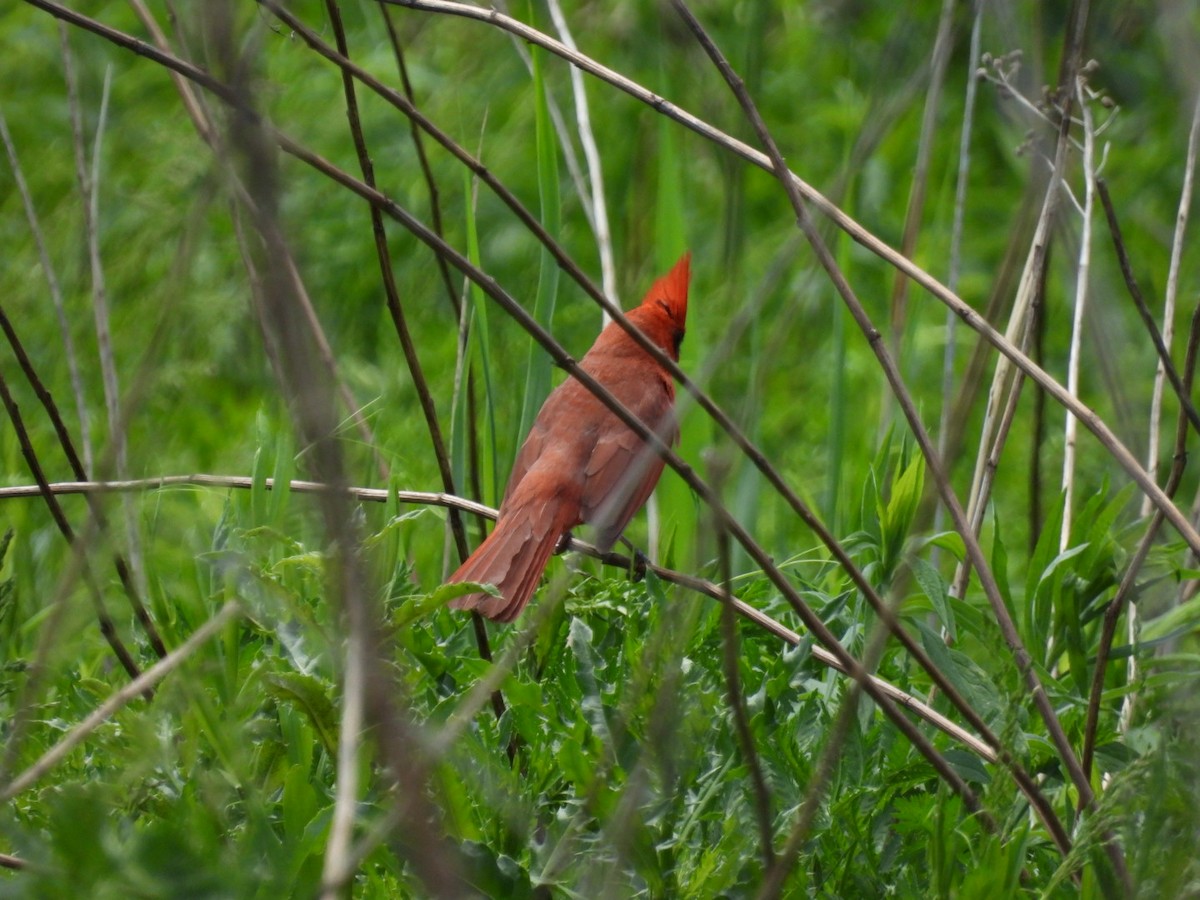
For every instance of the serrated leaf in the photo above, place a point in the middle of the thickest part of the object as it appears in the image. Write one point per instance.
(934, 587)
(310, 695)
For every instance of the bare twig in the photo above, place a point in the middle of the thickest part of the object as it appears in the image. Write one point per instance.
(77, 468)
(142, 684)
(966, 313)
(616, 560)
(310, 398)
(64, 327)
(395, 308)
(1007, 380)
(956, 233)
(731, 663)
(1135, 293)
(1120, 600)
(1082, 273)
(107, 626)
(435, 203)
(591, 155)
(383, 254)
(1172, 287)
(943, 44)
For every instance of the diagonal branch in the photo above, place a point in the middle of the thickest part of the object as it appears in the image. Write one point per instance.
(857, 232)
(143, 684)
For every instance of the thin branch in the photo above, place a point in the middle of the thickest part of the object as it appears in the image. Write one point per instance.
(943, 44)
(395, 308)
(1007, 379)
(1179, 521)
(435, 204)
(107, 627)
(201, 122)
(956, 233)
(77, 468)
(89, 191)
(1082, 274)
(1168, 326)
(309, 394)
(1112, 613)
(64, 327)
(140, 685)
(1166, 366)
(615, 560)
(731, 663)
(340, 866)
(591, 155)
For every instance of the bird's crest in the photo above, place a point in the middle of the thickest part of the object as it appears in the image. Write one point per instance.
(670, 292)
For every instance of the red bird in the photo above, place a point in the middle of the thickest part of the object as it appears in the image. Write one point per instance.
(580, 463)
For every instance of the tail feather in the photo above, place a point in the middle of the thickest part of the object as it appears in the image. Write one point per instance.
(512, 558)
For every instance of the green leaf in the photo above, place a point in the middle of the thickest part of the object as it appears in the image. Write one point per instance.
(538, 364)
(934, 586)
(310, 695)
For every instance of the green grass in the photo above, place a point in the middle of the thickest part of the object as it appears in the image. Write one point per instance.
(614, 768)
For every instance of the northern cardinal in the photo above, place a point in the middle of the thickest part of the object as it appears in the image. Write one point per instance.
(580, 463)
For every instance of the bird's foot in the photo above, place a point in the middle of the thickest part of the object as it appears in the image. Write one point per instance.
(638, 562)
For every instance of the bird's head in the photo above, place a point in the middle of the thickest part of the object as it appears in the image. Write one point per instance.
(663, 313)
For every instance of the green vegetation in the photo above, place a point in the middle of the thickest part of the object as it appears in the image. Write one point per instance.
(337, 733)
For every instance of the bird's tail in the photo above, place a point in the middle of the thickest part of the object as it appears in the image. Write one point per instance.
(512, 558)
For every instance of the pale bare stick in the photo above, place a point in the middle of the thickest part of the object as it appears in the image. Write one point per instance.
(1169, 294)
(434, 498)
(591, 154)
(340, 864)
(1081, 293)
(135, 688)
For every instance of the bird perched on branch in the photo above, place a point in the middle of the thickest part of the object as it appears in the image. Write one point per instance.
(580, 463)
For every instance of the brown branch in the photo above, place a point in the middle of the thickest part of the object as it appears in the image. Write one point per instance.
(1135, 293)
(1008, 628)
(857, 232)
(107, 627)
(747, 447)
(616, 560)
(435, 204)
(730, 659)
(308, 391)
(1112, 613)
(396, 310)
(68, 447)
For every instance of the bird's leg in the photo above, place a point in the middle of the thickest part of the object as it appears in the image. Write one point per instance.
(637, 571)
(564, 541)
(638, 561)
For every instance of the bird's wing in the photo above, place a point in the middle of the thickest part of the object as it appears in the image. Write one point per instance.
(622, 470)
